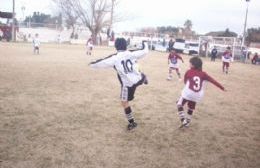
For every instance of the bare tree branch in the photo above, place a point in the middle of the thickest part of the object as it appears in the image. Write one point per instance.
(94, 14)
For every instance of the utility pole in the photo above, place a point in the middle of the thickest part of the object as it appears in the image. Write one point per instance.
(13, 24)
(112, 14)
(245, 24)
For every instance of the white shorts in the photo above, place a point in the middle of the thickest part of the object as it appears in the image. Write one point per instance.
(226, 60)
(176, 66)
(190, 95)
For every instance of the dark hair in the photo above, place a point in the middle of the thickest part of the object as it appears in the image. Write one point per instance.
(120, 44)
(228, 48)
(196, 62)
(173, 49)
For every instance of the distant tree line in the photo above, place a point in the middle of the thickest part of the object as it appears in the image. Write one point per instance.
(253, 35)
(41, 19)
(226, 33)
(167, 30)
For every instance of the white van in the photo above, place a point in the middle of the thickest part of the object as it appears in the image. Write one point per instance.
(191, 48)
(179, 45)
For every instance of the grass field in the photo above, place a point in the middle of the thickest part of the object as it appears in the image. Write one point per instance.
(56, 112)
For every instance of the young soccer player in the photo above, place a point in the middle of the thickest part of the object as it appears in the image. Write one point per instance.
(193, 91)
(89, 46)
(125, 63)
(173, 64)
(36, 44)
(226, 59)
(255, 59)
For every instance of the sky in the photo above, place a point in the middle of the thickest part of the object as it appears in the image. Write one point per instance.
(206, 15)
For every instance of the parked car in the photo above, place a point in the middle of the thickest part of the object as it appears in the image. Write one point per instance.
(179, 45)
(158, 46)
(191, 48)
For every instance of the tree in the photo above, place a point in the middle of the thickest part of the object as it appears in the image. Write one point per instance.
(253, 35)
(226, 33)
(93, 14)
(187, 30)
(188, 25)
(41, 19)
(7, 15)
(70, 16)
(171, 30)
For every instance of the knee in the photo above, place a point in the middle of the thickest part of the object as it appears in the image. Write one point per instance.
(180, 108)
(190, 111)
(124, 104)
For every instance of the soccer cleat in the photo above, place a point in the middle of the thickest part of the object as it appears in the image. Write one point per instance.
(169, 78)
(145, 80)
(131, 126)
(185, 123)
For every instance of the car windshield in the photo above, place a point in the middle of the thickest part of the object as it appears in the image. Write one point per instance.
(194, 45)
(180, 40)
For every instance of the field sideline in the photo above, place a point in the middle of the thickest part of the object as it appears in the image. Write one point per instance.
(56, 112)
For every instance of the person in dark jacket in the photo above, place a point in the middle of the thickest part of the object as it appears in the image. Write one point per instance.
(214, 53)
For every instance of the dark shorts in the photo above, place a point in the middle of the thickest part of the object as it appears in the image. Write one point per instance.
(182, 102)
(226, 64)
(36, 48)
(127, 93)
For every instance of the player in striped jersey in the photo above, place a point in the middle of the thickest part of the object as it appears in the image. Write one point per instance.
(125, 63)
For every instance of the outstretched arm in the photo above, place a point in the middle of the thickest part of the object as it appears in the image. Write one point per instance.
(104, 63)
(137, 54)
(185, 77)
(180, 58)
(213, 81)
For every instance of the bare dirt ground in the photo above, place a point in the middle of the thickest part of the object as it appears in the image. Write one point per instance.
(56, 112)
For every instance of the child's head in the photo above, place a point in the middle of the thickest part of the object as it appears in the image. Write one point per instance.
(228, 48)
(121, 44)
(173, 51)
(36, 35)
(196, 62)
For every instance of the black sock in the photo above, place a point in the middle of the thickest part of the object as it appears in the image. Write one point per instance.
(181, 113)
(128, 113)
(189, 116)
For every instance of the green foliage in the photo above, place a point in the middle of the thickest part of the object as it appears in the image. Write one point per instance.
(253, 35)
(167, 30)
(188, 24)
(226, 33)
(41, 19)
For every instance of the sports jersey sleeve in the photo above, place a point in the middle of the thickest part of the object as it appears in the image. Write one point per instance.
(137, 54)
(186, 77)
(106, 62)
(169, 57)
(213, 81)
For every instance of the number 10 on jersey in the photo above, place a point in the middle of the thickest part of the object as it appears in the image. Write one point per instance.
(127, 65)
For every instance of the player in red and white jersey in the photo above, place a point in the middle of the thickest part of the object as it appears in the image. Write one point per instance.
(226, 59)
(173, 63)
(193, 91)
(130, 77)
(89, 46)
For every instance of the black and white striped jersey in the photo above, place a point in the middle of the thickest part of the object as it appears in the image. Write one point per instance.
(125, 63)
